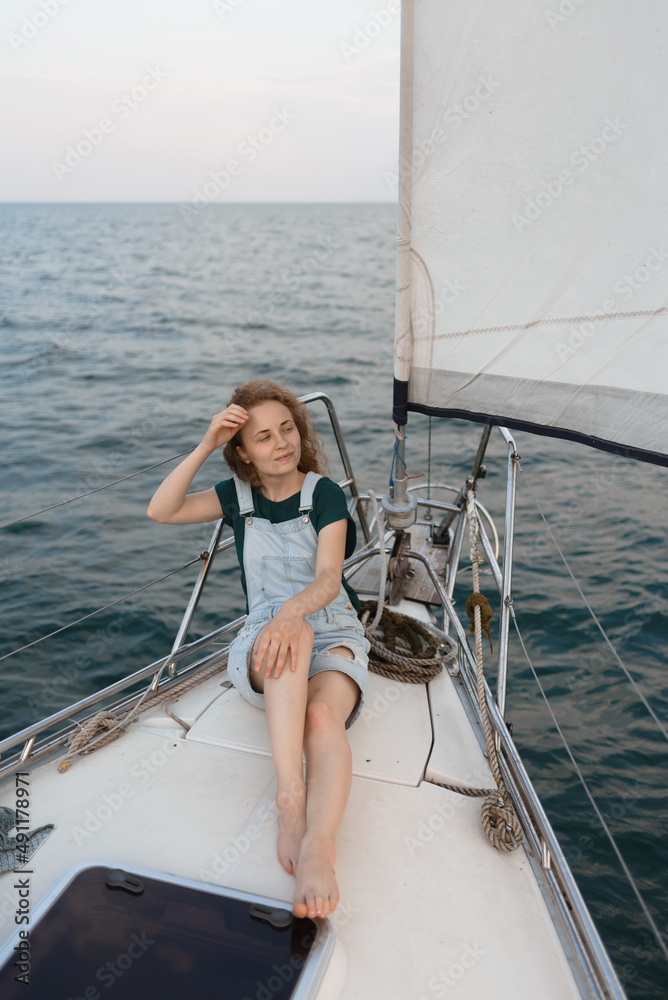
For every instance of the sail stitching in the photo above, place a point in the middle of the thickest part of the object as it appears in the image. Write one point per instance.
(588, 318)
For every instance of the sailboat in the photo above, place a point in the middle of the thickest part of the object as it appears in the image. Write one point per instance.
(529, 299)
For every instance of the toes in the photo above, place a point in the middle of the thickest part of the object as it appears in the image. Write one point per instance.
(286, 862)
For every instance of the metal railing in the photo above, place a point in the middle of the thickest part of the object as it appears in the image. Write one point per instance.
(314, 397)
(27, 736)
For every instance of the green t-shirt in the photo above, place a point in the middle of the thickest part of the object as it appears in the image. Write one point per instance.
(329, 505)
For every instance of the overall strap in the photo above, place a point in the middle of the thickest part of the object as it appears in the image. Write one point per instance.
(306, 495)
(244, 497)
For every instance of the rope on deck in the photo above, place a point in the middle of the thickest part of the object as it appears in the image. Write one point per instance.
(105, 726)
(418, 666)
(500, 824)
(426, 649)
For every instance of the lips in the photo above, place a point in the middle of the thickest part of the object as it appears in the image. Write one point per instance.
(284, 458)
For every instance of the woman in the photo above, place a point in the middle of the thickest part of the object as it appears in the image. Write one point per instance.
(302, 653)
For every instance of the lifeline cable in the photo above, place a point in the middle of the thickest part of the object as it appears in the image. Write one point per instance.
(577, 770)
(26, 517)
(616, 655)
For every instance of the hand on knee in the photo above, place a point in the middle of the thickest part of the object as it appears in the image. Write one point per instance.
(285, 640)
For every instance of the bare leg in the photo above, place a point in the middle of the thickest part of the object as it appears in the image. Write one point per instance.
(285, 704)
(332, 695)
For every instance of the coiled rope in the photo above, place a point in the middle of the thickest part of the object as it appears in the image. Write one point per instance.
(418, 666)
(426, 649)
(105, 726)
(500, 824)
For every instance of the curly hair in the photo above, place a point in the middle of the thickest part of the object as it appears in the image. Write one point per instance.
(258, 390)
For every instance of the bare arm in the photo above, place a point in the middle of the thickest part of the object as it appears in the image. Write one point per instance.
(328, 570)
(169, 504)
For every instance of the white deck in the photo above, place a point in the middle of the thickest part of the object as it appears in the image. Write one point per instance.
(428, 907)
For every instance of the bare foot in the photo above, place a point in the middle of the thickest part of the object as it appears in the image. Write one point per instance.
(316, 891)
(291, 827)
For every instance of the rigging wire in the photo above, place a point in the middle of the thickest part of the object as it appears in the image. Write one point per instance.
(92, 613)
(636, 890)
(616, 655)
(97, 490)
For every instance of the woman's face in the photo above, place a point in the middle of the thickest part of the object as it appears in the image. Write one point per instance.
(270, 439)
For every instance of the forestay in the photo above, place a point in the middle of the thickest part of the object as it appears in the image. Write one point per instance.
(533, 260)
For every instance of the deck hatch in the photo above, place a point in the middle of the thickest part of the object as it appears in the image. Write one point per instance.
(168, 937)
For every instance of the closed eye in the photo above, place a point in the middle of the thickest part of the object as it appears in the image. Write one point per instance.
(286, 427)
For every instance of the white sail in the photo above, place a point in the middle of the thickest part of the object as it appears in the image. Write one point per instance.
(533, 263)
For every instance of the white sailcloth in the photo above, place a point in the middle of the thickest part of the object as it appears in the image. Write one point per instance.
(533, 241)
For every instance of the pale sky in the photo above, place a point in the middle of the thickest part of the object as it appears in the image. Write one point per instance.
(140, 100)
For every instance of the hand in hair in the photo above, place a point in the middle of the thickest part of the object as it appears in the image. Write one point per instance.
(224, 426)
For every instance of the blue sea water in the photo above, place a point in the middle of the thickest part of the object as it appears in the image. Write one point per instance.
(125, 327)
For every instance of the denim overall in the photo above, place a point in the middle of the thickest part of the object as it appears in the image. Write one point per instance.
(279, 562)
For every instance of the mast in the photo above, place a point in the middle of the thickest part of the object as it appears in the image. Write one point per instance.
(400, 507)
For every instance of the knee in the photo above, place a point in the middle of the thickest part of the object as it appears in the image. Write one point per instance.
(319, 716)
